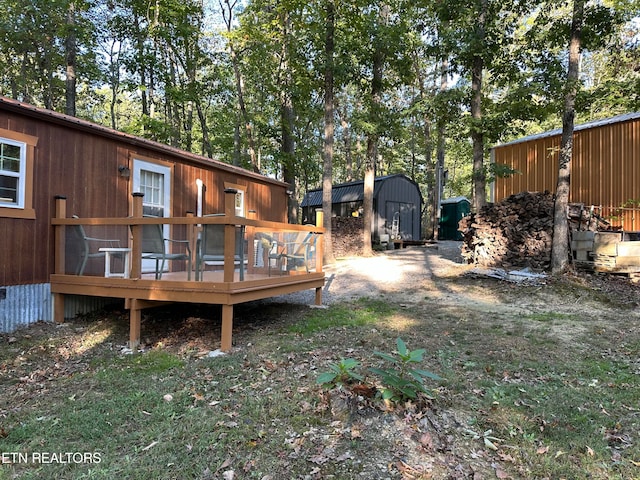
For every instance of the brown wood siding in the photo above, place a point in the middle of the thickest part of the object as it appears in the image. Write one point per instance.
(83, 166)
(605, 168)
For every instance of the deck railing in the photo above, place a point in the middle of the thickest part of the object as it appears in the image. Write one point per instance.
(116, 246)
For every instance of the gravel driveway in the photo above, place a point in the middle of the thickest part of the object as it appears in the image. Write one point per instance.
(389, 272)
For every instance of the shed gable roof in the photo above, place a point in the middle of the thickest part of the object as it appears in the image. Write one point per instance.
(348, 192)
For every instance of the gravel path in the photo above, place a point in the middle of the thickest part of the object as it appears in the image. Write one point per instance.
(389, 272)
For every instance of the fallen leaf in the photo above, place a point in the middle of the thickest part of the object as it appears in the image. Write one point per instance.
(501, 473)
(151, 445)
(505, 457)
(168, 397)
(426, 440)
(590, 451)
(489, 444)
(319, 459)
(542, 450)
(229, 475)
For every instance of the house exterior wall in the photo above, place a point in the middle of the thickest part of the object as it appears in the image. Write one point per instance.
(80, 161)
(605, 169)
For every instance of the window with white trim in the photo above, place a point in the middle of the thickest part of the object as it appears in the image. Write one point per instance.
(13, 160)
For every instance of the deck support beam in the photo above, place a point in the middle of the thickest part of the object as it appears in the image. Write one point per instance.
(227, 328)
(135, 317)
(58, 308)
(319, 296)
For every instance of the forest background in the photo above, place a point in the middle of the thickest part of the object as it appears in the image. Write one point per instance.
(317, 92)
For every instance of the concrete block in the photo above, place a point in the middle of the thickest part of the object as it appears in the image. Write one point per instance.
(628, 249)
(582, 236)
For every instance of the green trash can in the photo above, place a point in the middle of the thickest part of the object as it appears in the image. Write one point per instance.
(451, 212)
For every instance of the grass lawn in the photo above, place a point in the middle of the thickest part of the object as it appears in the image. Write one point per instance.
(540, 394)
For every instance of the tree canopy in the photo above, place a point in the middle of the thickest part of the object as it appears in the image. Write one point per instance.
(246, 82)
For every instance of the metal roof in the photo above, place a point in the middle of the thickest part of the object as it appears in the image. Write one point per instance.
(69, 121)
(584, 126)
(346, 192)
(454, 200)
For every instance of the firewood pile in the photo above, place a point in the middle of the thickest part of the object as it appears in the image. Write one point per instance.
(516, 232)
(346, 235)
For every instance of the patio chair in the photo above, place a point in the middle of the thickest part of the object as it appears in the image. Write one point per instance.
(273, 251)
(154, 247)
(89, 246)
(299, 253)
(211, 248)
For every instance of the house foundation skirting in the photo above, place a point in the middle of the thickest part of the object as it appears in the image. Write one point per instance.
(23, 305)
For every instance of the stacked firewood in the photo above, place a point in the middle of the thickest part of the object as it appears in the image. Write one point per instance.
(516, 232)
(346, 236)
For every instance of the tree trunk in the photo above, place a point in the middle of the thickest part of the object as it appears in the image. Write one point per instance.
(70, 48)
(287, 122)
(206, 141)
(477, 132)
(440, 150)
(288, 150)
(372, 140)
(429, 208)
(560, 245)
(235, 61)
(329, 130)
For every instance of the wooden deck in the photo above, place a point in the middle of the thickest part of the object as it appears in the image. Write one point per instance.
(220, 286)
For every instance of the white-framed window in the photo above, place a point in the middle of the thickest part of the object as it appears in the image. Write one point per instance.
(154, 180)
(17, 154)
(239, 204)
(13, 172)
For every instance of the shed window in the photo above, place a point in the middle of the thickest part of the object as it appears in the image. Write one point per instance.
(16, 174)
(12, 173)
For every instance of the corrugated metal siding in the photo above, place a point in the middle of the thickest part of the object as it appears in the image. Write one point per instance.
(23, 305)
(605, 168)
(405, 197)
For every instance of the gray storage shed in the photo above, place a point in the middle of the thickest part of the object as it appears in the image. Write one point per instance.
(397, 205)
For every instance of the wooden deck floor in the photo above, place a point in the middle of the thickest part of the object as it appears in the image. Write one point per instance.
(146, 292)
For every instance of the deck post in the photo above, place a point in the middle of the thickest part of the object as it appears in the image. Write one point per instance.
(229, 234)
(319, 244)
(135, 316)
(60, 260)
(192, 237)
(136, 233)
(227, 328)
